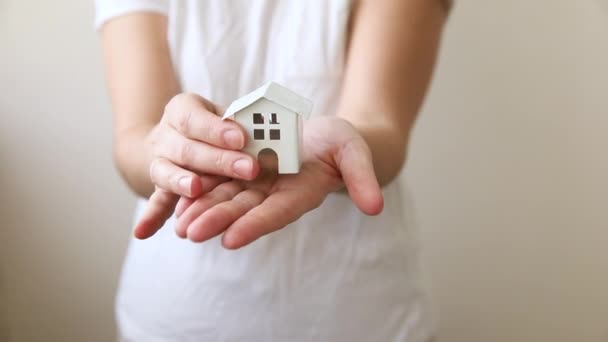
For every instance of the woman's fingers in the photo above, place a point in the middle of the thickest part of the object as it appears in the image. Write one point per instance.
(160, 207)
(354, 160)
(203, 158)
(277, 211)
(173, 178)
(221, 193)
(166, 175)
(196, 118)
(208, 183)
(163, 203)
(182, 205)
(215, 220)
(193, 140)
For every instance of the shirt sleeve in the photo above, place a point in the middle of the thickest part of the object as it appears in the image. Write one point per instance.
(108, 9)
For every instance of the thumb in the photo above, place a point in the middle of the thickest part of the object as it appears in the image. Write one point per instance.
(160, 208)
(354, 160)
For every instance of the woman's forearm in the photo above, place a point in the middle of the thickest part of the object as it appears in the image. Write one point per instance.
(391, 58)
(138, 90)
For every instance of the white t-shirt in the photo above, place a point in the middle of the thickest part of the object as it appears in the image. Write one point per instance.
(334, 275)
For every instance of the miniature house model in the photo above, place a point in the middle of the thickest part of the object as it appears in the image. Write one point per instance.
(273, 116)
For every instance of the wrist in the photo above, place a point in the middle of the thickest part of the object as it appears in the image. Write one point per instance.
(133, 153)
(388, 145)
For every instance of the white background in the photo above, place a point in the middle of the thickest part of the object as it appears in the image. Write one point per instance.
(508, 165)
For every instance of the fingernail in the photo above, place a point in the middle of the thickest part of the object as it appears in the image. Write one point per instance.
(234, 139)
(184, 184)
(242, 167)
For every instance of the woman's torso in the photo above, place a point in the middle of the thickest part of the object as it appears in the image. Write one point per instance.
(334, 275)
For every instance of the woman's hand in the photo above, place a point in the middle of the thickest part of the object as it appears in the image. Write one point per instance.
(193, 151)
(335, 155)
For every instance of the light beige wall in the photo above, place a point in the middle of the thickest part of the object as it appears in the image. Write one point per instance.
(508, 165)
(64, 212)
(511, 172)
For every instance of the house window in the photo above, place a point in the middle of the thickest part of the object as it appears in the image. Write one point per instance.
(258, 118)
(258, 134)
(273, 119)
(275, 134)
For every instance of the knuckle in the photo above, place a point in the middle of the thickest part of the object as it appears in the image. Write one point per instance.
(170, 106)
(173, 179)
(222, 162)
(226, 192)
(154, 170)
(206, 132)
(190, 97)
(186, 153)
(215, 131)
(154, 139)
(247, 202)
(213, 128)
(175, 103)
(180, 103)
(184, 121)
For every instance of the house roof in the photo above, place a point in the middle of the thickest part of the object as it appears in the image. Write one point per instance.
(276, 93)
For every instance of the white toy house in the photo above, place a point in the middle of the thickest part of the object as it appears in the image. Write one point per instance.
(272, 116)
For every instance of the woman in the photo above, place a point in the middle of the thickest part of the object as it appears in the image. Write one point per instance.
(324, 255)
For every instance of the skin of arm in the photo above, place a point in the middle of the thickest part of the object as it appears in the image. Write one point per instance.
(390, 62)
(141, 81)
